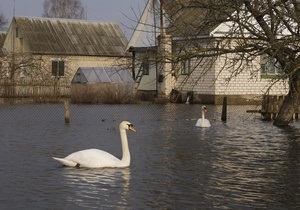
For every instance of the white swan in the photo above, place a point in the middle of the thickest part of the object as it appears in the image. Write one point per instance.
(94, 158)
(202, 122)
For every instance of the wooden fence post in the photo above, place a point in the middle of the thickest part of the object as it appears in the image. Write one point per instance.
(67, 111)
(274, 107)
(264, 104)
(224, 110)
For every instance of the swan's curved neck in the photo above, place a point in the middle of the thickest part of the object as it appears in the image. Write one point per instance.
(125, 149)
(203, 118)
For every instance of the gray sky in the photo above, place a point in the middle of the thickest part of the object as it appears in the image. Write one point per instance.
(121, 11)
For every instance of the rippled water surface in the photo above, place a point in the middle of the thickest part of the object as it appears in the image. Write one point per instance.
(244, 163)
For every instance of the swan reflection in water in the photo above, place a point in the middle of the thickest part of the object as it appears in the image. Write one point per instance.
(97, 186)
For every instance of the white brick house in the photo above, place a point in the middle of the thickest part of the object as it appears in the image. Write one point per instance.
(208, 79)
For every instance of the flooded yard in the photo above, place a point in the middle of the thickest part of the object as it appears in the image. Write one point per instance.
(244, 163)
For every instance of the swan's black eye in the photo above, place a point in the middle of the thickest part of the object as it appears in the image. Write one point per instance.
(130, 125)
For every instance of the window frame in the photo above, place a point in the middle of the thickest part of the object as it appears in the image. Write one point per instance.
(186, 67)
(269, 67)
(58, 68)
(146, 66)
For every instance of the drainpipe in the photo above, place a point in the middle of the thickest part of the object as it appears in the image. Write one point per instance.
(162, 19)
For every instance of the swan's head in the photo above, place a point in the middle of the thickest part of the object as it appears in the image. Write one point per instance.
(204, 109)
(127, 126)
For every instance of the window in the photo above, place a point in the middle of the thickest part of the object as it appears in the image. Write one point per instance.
(145, 66)
(186, 66)
(269, 66)
(58, 68)
(17, 32)
(78, 77)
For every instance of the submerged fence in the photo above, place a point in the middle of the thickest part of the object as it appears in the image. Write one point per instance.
(271, 105)
(59, 90)
(34, 91)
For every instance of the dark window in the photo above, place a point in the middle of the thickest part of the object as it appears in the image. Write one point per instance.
(186, 66)
(58, 68)
(269, 66)
(78, 77)
(145, 65)
(17, 32)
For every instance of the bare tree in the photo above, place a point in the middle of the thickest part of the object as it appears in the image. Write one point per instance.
(24, 75)
(70, 9)
(3, 21)
(255, 28)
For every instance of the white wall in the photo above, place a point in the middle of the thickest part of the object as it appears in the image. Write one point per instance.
(212, 78)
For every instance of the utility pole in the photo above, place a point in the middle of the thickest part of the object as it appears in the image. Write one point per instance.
(13, 44)
(162, 19)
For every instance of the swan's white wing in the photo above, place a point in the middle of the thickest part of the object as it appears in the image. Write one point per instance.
(204, 124)
(65, 162)
(91, 158)
(198, 123)
(207, 123)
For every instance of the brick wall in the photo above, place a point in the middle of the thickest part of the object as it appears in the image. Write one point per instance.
(213, 78)
(74, 62)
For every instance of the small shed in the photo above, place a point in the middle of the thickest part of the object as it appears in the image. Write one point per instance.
(102, 85)
(93, 75)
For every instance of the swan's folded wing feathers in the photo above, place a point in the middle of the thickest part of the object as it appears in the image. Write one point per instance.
(65, 162)
(92, 158)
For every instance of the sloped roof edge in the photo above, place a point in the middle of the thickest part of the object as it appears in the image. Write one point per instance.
(70, 36)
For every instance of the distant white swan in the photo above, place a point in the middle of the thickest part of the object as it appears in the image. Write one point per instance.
(95, 158)
(202, 122)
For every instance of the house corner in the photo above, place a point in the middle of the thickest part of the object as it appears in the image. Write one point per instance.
(164, 76)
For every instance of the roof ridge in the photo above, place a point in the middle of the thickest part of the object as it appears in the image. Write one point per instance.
(64, 19)
(71, 37)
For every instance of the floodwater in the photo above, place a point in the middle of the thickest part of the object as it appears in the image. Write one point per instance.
(244, 163)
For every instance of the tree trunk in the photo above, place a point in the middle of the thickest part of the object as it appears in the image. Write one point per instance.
(286, 111)
(290, 103)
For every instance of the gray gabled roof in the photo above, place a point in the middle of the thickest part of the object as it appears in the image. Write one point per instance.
(196, 18)
(72, 37)
(183, 19)
(106, 74)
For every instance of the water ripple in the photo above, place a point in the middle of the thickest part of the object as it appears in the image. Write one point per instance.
(242, 164)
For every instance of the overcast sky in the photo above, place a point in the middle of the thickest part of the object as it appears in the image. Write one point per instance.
(121, 11)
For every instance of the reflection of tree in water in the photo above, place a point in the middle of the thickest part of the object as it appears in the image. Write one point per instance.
(98, 187)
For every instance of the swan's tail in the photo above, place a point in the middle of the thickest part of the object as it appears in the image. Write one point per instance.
(66, 162)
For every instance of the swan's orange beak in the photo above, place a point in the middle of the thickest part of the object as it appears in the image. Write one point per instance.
(131, 128)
